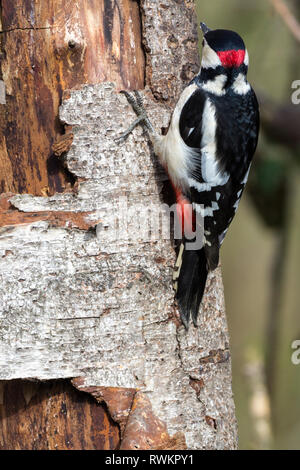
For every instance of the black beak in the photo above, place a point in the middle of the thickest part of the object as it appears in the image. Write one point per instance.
(204, 28)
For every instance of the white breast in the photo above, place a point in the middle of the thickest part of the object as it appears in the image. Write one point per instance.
(179, 159)
(174, 154)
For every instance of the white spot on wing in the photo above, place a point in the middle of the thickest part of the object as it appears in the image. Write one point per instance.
(236, 205)
(246, 175)
(222, 236)
(199, 186)
(206, 211)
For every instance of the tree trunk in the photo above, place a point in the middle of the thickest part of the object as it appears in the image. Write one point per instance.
(85, 287)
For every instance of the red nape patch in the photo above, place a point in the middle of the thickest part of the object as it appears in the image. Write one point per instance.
(185, 213)
(232, 58)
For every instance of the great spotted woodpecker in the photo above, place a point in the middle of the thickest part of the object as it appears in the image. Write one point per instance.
(207, 153)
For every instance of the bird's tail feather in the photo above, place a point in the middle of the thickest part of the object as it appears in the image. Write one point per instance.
(189, 279)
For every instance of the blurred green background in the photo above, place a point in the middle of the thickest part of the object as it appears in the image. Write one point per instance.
(261, 253)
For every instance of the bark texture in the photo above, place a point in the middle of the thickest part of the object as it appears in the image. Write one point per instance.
(84, 294)
(48, 47)
(53, 416)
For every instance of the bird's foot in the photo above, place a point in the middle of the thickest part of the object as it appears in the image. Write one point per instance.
(136, 102)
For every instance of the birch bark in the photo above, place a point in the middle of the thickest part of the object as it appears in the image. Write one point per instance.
(85, 291)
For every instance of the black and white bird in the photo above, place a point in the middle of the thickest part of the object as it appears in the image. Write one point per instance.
(207, 153)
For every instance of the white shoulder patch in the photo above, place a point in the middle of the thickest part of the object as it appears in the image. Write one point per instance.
(211, 172)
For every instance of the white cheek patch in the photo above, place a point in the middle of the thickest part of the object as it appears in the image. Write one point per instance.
(216, 86)
(210, 58)
(240, 85)
(246, 59)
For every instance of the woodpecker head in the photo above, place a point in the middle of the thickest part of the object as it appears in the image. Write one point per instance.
(223, 48)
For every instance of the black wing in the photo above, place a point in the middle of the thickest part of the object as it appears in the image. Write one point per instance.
(237, 118)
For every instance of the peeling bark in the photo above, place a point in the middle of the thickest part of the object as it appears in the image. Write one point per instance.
(118, 401)
(95, 301)
(53, 416)
(46, 48)
(132, 410)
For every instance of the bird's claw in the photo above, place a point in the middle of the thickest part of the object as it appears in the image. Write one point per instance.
(136, 102)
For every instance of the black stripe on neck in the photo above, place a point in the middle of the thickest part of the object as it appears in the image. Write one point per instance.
(207, 74)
